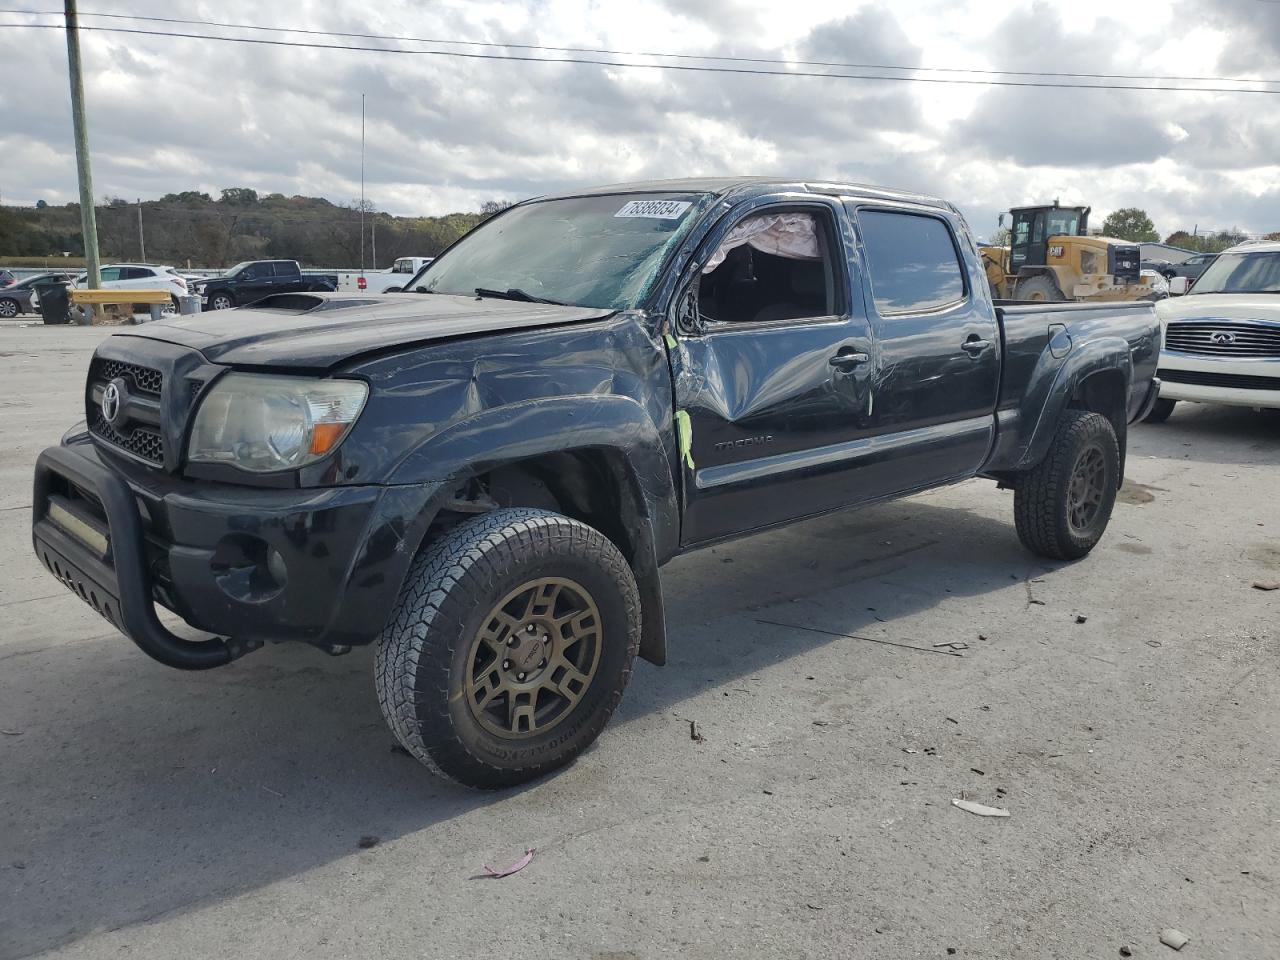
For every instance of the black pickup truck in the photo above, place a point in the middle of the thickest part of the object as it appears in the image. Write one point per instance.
(248, 282)
(485, 479)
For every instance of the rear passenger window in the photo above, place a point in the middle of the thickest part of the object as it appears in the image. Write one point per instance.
(912, 260)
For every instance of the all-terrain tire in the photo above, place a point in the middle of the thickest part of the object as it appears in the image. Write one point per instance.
(1160, 412)
(1043, 496)
(426, 650)
(1039, 288)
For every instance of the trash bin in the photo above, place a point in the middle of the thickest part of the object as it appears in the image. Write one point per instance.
(189, 304)
(55, 304)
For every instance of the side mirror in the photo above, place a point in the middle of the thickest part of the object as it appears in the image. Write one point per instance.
(1178, 286)
(1000, 220)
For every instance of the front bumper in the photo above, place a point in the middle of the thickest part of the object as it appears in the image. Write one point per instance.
(251, 565)
(1153, 394)
(1242, 383)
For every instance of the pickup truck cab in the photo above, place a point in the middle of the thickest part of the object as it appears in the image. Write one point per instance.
(484, 478)
(255, 279)
(391, 280)
(1222, 339)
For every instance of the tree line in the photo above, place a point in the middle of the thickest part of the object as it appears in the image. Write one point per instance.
(192, 228)
(1134, 225)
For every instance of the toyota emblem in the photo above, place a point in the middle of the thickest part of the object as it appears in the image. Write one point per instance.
(112, 401)
(1222, 337)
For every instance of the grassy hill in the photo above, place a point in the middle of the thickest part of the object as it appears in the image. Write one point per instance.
(192, 228)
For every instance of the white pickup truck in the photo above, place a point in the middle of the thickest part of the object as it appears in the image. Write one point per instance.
(383, 281)
(1222, 340)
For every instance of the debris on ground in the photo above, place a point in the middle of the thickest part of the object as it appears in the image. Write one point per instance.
(980, 809)
(694, 735)
(11, 733)
(1126, 952)
(952, 645)
(1174, 938)
(980, 773)
(1082, 619)
(514, 868)
(1266, 584)
(854, 636)
(368, 842)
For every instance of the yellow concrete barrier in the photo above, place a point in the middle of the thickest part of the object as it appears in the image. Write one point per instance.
(86, 297)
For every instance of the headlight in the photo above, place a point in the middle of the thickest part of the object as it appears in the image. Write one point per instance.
(265, 423)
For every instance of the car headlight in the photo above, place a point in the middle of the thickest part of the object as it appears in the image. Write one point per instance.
(264, 423)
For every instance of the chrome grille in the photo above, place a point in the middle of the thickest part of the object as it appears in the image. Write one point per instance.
(1223, 338)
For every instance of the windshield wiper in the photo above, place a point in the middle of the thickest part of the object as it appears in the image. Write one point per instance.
(515, 293)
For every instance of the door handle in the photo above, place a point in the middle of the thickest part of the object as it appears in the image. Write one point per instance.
(974, 345)
(847, 359)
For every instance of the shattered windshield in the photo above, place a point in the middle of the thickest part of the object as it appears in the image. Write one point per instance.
(1241, 273)
(600, 251)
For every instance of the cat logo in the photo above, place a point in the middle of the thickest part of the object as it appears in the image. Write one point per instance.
(1055, 250)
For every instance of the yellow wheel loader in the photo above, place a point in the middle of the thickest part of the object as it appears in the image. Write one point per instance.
(1052, 257)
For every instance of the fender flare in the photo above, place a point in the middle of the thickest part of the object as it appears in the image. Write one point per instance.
(1104, 355)
(616, 425)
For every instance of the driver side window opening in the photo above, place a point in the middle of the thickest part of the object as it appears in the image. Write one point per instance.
(770, 266)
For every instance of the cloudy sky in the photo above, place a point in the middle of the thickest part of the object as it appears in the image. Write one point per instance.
(446, 133)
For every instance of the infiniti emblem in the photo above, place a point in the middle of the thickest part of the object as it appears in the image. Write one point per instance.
(1222, 336)
(112, 399)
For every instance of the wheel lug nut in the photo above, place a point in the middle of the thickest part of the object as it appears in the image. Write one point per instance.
(506, 664)
(519, 676)
(543, 663)
(529, 628)
(511, 641)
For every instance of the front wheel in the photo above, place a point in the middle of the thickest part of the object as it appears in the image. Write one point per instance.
(1161, 410)
(509, 647)
(1063, 504)
(1040, 289)
(8, 308)
(221, 301)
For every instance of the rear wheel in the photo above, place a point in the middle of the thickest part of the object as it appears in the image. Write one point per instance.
(509, 647)
(1160, 412)
(1063, 504)
(1039, 288)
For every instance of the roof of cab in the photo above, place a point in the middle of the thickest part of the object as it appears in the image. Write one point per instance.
(754, 185)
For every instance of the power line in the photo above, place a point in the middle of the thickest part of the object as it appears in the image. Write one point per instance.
(651, 53)
(685, 68)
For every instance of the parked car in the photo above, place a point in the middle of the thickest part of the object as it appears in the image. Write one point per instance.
(1222, 340)
(254, 279)
(130, 276)
(1193, 267)
(7, 278)
(484, 478)
(1162, 267)
(17, 297)
(391, 280)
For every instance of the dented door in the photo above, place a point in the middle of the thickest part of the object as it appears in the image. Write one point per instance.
(776, 410)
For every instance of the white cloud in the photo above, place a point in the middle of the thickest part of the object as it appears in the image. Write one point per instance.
(447, 133)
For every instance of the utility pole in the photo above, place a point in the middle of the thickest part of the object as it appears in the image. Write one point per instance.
(373, 240)
(362, 184)
(88, 219)
(142, 242)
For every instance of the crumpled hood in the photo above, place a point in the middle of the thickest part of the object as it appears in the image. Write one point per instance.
(1220, 306)
(321, 330)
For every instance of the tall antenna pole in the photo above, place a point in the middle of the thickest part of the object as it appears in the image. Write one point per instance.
(88, 219)
(142, 242)
(362, 184)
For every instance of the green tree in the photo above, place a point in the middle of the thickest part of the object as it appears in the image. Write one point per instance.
(1132, 224)
(238, 196)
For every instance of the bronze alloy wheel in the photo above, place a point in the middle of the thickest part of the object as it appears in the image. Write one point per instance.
(1087, 487)
(533, 657)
